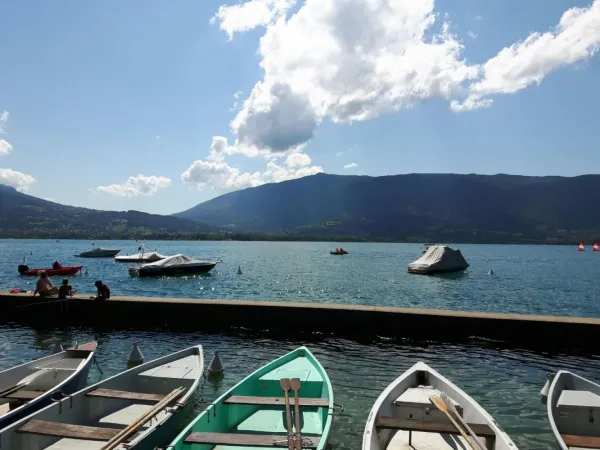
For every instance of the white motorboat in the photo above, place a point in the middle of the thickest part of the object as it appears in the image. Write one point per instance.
(139, 408)
(572, 403)
(173, 265)
(147, 257)
(29, 387)
(406, 416)
(439, 259)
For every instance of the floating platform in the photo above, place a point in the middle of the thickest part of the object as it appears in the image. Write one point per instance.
(294, 318)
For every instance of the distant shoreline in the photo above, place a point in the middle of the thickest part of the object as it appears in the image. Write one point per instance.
(249, 237)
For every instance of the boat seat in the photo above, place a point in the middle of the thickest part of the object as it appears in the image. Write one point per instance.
(578, 399)
(125, 395)
(62, 364)
(276, 401)
(23, 394)
(184, 368)
(247, 440)
(65, 430)
(76, 444)
(419, 396)
(574, 441)
(392, 423)
(130, 414)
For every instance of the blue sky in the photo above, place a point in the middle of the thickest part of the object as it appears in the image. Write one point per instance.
(93, 93)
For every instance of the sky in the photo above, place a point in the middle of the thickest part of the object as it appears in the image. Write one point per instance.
(157, 106)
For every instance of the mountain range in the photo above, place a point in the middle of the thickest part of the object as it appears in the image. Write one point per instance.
(414, 207)
(23, 215)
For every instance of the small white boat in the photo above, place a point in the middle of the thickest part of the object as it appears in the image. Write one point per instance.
(132, 410)
(99, 252)
(172, 265)
(573, 404)
(31, 386)
(405, 417)
(140, 257)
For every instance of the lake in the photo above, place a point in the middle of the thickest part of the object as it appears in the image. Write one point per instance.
(555, 280)
(504, 380)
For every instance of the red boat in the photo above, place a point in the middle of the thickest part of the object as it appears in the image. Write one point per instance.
(69, 270)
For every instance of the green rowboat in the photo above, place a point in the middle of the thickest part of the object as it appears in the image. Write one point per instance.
(252, 414)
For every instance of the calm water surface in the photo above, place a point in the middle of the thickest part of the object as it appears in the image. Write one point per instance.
(505, 382)
(528, 279)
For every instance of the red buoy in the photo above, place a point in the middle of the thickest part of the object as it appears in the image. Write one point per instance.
(581, 247)
(596, 246)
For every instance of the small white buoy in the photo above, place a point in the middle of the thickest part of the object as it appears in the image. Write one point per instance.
(491, 272)
(216, 366)
(57, 348)
(239, 270)
(136, 356)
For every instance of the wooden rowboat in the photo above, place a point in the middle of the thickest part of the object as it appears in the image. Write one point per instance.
(31, 386)
(573, 404)
(134, 409)
(406, 415)
(252, 414)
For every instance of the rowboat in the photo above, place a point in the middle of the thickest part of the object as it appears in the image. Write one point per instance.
(31, 386)
(135, 409)
(254, 414)
(572, 404)
(69, 270)
(422, 409)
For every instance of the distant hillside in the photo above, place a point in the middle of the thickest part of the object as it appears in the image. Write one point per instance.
(415, 207)
(22, 215)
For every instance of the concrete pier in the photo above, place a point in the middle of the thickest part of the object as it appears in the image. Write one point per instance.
(291, 317)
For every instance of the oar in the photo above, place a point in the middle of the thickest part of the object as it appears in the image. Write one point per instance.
(464, 424)
(296, 387)
(285, 385)
(444, 407)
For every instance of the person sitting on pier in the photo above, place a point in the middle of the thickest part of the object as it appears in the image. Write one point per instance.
(103, 290)
(65, 290)
(44, 286)
(56, 265)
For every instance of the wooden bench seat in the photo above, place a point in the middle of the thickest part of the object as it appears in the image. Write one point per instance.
(125, 395)
(23, 394)
(572, 440)
(65, 430)
(431, 427)
(247, 440)
(276, 401)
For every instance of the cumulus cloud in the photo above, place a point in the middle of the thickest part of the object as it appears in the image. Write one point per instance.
(351, 166)
(298, 160)
(251, 14)
(3, 120)
(354, 60)
(20, 181)
(224, 178)
(471, 34)
(5, 148)
(139, 185)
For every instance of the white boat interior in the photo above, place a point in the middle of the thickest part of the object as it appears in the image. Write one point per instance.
(574, 411)
(28, 382)
(90, 418)
(404, 416)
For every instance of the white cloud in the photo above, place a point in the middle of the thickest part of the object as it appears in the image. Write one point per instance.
(477, 18)
(50, 199)
(18, 180)
(5, 148)
(354, 60)
(251, 14)
(351, 166)
(575, 39)
(3, 120)
(136, 186)
(471, 34)
(224, 178)
(298, 160)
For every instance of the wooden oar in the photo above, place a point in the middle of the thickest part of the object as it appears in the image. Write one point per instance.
(126, 432)
(296, 387)
(458, 417)
(285, 385)
(442, 406)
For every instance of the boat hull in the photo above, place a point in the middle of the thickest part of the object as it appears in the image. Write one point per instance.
(407, 400)
(114, 403)
(572, 403)
(166, 271)
(73, 383)
(338, 253)
(104, 253)
(71, 270)
(241, 412)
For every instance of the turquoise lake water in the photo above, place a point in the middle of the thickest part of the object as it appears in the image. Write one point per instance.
(504, 380)
(528, 279)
